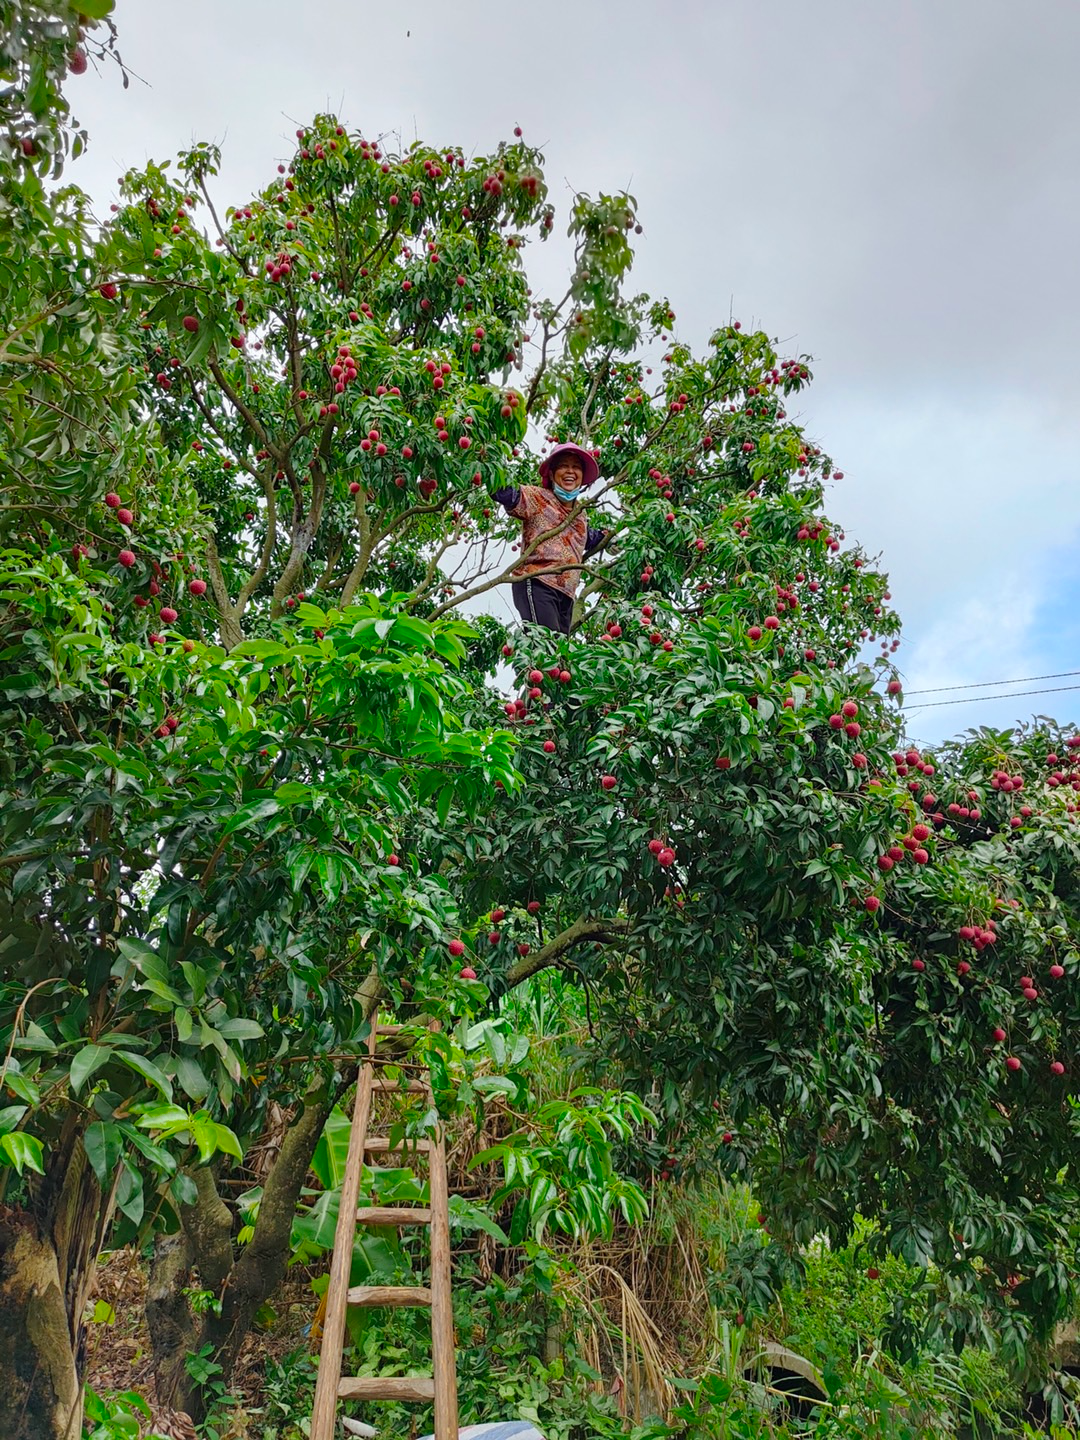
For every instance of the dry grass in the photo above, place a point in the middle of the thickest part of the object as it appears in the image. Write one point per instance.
(615, 1334)
(643, 1310)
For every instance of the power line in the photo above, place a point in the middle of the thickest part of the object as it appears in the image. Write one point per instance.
(982, 684)
(1015, 695)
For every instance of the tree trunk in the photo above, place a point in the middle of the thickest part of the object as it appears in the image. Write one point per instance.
(169, 1319)
(80, 1217)
(40, 1386)
(240, 1282)
(48, 1262)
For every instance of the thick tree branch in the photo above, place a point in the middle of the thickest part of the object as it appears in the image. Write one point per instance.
(508, 575)
(266, 1255)
(208, 1225)
(363, 556)
(375, 539)
(254, 424)
(168, 1315)
(381, 250)
(538, 373)
(231, 634)
(333, 555)
(580, 932)
(270, 540)
(296, 360)
(223, 235)
(586, 422)
(510, 571)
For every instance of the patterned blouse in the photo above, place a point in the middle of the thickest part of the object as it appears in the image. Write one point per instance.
(540, 510)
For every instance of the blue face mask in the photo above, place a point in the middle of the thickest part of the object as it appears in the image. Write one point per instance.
(566, 494)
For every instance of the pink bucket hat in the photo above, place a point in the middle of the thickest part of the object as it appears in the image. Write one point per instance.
(590, 469)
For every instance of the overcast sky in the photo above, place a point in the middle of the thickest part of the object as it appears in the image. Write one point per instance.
(893, 189)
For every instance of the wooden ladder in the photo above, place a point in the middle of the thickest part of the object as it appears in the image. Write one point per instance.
(441, 1385)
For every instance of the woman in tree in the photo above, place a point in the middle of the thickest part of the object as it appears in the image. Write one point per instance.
(548, 599)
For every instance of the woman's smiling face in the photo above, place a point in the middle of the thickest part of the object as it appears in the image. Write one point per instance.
(568, 473)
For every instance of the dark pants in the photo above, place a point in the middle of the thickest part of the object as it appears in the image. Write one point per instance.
(540, 604)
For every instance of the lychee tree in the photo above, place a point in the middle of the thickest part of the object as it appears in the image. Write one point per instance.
(259, 772)
(168, 945)
(897, 1042)
(141, 773)
(196, 890)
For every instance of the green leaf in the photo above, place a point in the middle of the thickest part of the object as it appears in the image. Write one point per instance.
(102, 1142)
(202, 1133)
(496, 1085)
(27, 876)
(210, 1137)
(85, 1062)
(519, 1222)
(464, 1215)
(250, 814)
(449, 647)
(162, 989)
(10, 1116)
(151, 967)
(240, 1028)
(96, 9)
(129, 1194)
(225, 1141)
(201, 347)
(445, 800)
(141, 954)
(22, 1151)
(330, 872)
(542, 1195)
(183, 1189)
(20, 1086)
(163, 1117)
(35, 1039)
(39, 89)
(328, 1161)
(299, 863)
(148, 1070)
(192, 1078)
(292, 793)
(261, 650)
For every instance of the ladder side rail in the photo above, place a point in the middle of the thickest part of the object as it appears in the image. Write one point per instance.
(444, 1362)
(324, 1410)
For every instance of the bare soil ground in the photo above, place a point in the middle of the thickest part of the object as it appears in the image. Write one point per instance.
(118, 1346)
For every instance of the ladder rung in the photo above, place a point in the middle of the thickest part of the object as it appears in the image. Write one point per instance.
(389, 1029)
(396, 1295)
(382, 1143)
(386, 1387)
(411, 1087)
(393, 1215)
